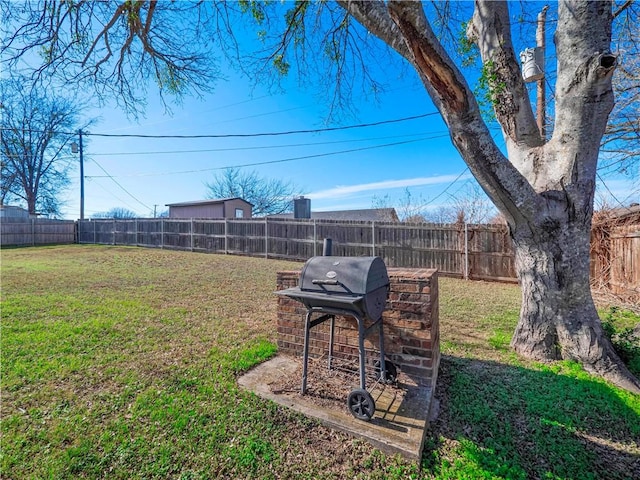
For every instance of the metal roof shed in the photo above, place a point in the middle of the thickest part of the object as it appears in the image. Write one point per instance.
(212, 208)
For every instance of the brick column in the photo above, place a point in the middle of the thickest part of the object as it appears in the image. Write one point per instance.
(410, 322)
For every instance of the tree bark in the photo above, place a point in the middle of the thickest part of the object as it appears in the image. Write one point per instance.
(558, 319)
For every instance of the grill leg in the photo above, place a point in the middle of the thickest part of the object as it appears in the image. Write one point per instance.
(305, 352)
(383, 367)
(361, 353)
(333, 325)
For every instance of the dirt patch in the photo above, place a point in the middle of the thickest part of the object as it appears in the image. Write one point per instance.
(330, 388)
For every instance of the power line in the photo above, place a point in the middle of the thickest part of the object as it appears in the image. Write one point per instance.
(269, 162)
(259, 147)
(608, 190)
(245, 135)
(111, 195)
(445, 190)
(108, 175)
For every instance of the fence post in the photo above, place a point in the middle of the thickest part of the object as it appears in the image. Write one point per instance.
(33, 231)
(114, 231)
(266, 237)
(373, 238)
(466, 251)
(95, 240)
(226, 236)
(162, 233)
(191, 227)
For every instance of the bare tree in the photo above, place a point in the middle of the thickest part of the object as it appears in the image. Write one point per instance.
(408, 207)
(268, 196)
(36, 128)
(621, 142)
(116, 212)
(543, 186)
(471, 205)
(468, 204)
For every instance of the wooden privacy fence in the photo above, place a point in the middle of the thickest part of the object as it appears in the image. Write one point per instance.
(482, 252)
(625, 261)
(615, 260)
(36, 231)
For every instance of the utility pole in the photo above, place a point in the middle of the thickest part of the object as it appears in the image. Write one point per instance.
(77, 148)
(541, 97)
(81, 177)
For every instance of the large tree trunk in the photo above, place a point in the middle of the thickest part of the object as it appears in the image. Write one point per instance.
(558, 319)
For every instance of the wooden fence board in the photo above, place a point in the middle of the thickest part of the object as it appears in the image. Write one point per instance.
(625, 261)
(36, 231)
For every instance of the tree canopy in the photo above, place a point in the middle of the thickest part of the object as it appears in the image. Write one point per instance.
(37, 128)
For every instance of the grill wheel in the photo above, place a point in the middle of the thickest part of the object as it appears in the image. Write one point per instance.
(361, 404)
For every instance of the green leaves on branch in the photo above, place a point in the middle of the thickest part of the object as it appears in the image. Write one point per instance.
(488, 90)
(169, 78)
(254, 8)
(490, 82)
(466, 48)
(281, 65)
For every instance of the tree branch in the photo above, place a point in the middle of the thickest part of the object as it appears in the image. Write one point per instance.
(490, 29)
(103, 33)
(584, 93)
(403, 25)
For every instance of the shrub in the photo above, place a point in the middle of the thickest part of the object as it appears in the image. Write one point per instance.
(625, 340)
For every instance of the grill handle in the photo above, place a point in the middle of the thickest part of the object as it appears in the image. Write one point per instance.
(325, 282)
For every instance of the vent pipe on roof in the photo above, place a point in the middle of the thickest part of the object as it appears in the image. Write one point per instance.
(301, 207)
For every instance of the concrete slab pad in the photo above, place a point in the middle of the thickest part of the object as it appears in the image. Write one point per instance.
(399, 423)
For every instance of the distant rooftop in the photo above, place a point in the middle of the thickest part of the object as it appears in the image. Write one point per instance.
(209, 201)
(365, 214)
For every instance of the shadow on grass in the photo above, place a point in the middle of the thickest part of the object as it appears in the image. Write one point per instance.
(506, 421)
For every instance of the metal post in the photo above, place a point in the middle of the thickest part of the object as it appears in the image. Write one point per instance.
(266, 237)
(81, 176)
(466, 252)
(162, 233)
(331, 334)
(136, 226)
(114, 231)
(361, 352)
(226, 236)
(326, 247)
(192, 234)
(95, 240)
(33, 231)
(540, 84)
(383, 365)
(305, 352)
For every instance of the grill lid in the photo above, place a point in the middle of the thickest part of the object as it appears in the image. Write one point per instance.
(343, 275)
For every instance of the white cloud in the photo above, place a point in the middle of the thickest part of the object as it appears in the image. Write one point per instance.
(349, 190)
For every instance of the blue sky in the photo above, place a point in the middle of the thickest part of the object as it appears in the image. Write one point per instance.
(146, 174)
(155, 172)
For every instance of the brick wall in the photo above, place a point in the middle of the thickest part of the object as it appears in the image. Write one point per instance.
(411, 330)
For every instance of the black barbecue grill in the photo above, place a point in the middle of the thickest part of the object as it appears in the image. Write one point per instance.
(346, 286)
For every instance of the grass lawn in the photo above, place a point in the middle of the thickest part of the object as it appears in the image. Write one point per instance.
(122, 363)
